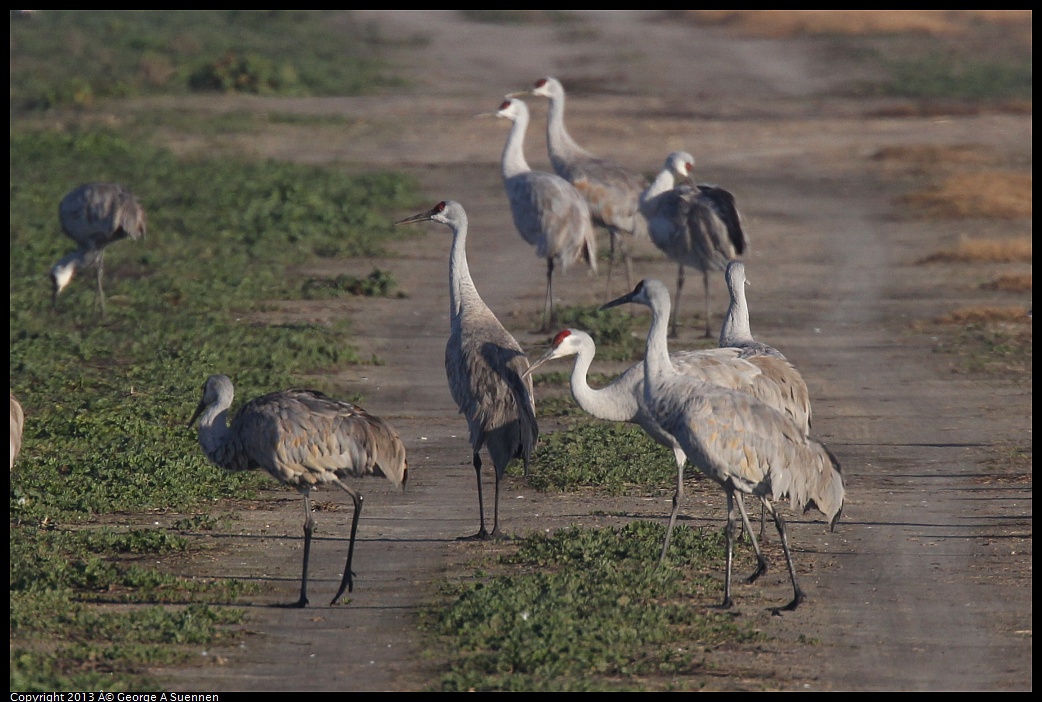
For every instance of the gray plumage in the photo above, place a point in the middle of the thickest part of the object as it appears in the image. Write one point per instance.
(623, 399)
(94, 216)
(17, 420)
(548, 212)
(743, 444)
(484, 365)
(611, 190)
(695, 225)
(303, 439)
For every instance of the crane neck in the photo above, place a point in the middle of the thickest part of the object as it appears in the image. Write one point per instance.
(461, 285)
(657, 364)
(612, 403)
(214, 437)
(561, 146)
(513, 162)
(664, 182)
(735, 328)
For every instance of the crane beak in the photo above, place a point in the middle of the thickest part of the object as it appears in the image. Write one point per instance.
(519, 94)
(628, 297)
(548, 355)
(195, 415)
(422, 217)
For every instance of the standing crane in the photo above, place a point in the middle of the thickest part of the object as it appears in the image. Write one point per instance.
(484, 365)
(623, 399)
(304, 439)
(548, 212)
(611, 190)
(694, 225)
(94, 216)
(17, 420)
(743, 444)
(735, 333)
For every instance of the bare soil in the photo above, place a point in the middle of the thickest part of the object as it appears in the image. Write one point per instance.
(925, 585)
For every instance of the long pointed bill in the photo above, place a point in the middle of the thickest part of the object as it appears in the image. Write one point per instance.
(548, 355)
(628, 297)
(519, 93)
(422, 217)
(198, 411)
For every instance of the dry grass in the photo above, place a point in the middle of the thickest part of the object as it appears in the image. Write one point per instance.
(924, 158)
(787, 23)
(1000, 194)
(1010, 282)
(984, 314)
(1014, 250)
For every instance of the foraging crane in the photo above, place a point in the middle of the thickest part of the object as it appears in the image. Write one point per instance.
(484, 365)
(695, 225)
(611, 190)
(94, 216)
(548, 212)
(304, 439)
(743, 444)
(17, 420)
(623, 399)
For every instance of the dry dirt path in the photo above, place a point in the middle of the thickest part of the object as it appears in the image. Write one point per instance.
(926, 583)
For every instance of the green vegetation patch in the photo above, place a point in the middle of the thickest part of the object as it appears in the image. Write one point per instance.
(589, 609)
(107, 398)
(75, 57)
(619, 458)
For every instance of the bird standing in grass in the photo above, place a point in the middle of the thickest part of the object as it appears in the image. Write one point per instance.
(95, 216)
(303, 439)
(743, 444)
(484, 365)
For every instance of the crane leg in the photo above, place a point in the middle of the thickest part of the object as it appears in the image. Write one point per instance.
(678, 497)
(616, 242)
(729, 539)
(761, 562)
(797, 593)
(548, 304)
(705, 282)
(309, 527)
(495, 509)
(347, 583)
(101, 270)
(676, 304)
(482, 533)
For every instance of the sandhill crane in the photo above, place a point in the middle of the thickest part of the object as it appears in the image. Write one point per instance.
(695, 225)
(611, 190)
(735, 333)
(304, 439)
(17, 419)
(548, 212)
(623, 399)
(94, 216)
(741, 443)
(484, 364)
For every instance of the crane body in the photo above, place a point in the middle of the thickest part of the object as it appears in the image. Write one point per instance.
(303, 439)
(484, 366)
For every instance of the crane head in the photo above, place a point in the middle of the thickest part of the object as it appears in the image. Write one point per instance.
(649, 292)
(61, 276)
(567, 343)
(447, 212)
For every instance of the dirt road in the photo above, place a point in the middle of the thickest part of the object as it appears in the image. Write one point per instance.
(925, 585)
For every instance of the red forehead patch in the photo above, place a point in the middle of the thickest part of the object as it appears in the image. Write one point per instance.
(505, 105)
(561, 336)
